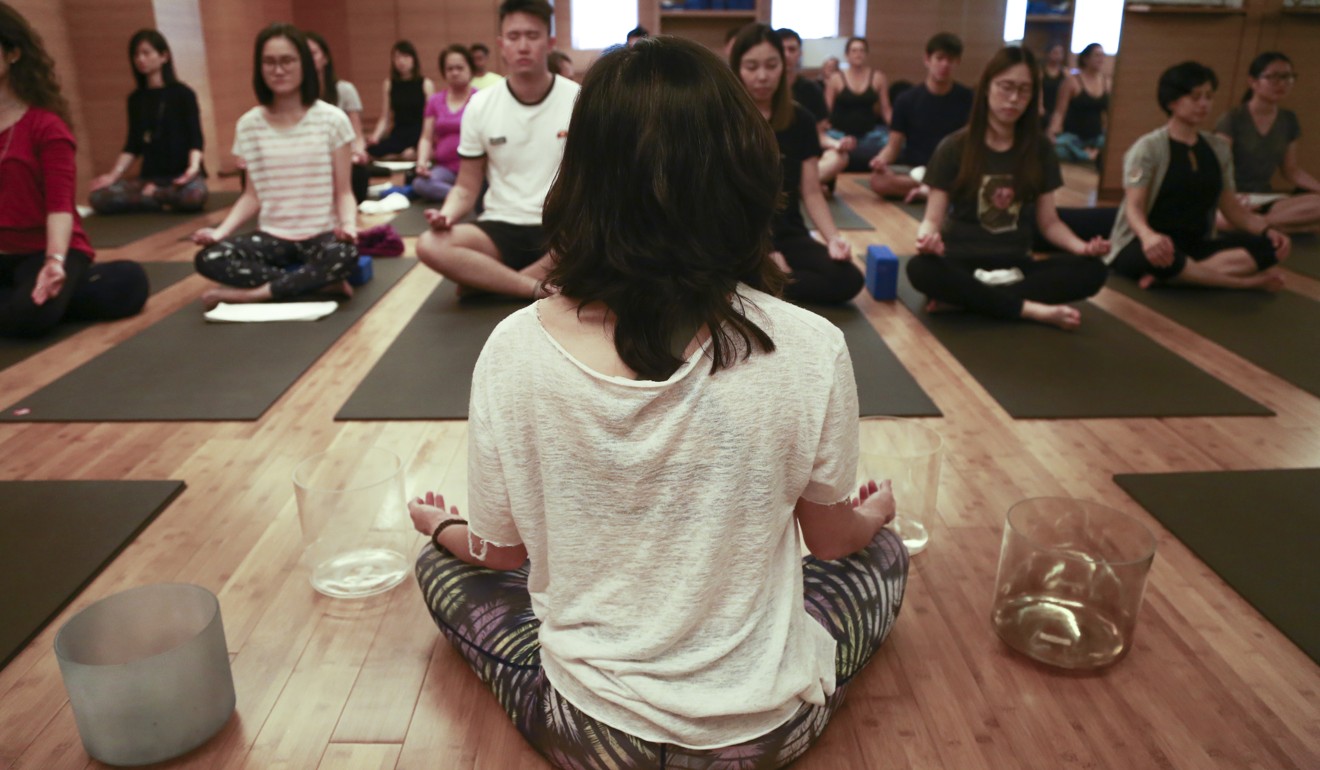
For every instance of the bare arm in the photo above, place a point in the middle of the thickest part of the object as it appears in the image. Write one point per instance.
(832, 87)
(359, 143)
(122, 163)
(889, 155)
(1061, 106)
(819, 211)
(883, 108)
(461, 199)
(244, 209)
(929, 239)
(383, 122)
(429, 512)
(428, 86)
(424, 145)
(1293, 172)
(1058, 233)
(194, 168)
(835, 531)
(345, 203)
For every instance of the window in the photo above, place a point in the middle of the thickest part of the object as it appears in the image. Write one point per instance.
(601, 23)
(1097, 21)
(809, 18)
(1015, 21)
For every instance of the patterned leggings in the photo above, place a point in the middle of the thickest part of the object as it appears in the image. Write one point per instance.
(487, 616)
(126, 195)
(290, 267)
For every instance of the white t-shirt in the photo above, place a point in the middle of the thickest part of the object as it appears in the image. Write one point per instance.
(349, 99)
(292, 169)
(522, 144)
(658, 517)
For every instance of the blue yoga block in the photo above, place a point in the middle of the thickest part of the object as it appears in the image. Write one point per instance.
(881, 272)
(362, 273)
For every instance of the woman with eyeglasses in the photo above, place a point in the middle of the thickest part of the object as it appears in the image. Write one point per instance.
(988, 183)
(296, 150)
(1264, 138)
(1175, 178)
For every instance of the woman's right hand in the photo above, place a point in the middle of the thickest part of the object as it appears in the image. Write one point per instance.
(1158, 249)
(104, 180)
(207, 236)
(876, 501)
(423, 167)
(930, 242)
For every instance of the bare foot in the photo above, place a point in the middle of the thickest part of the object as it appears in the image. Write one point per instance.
(1062, 316)
(917, 193)
(1146, 281)
(935, 306)
(1270, 280)
(234, 296)
(343, 287)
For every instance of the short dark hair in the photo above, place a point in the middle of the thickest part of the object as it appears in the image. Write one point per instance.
(638, 31)
(461, 51)
(538, 8)
(660, 229)
(732, 32)
(781, 104)
(785, 33)
(157, 41)
(1180, 80)
(408, 49)
(309, 89)
(945, 43)
(480, 47)
(555, 61)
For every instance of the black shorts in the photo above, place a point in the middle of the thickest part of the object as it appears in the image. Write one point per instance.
(518, 245)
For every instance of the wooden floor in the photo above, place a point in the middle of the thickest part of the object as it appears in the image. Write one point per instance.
(333, 684)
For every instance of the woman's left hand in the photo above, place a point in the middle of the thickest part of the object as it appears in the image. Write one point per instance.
(840, 249)
(49, 282)
(1282, 244)
(185, 177)
(346, 233)
(1096, 247)
(428, 511)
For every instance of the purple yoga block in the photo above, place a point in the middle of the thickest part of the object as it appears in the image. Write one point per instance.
(362, 272)
(881, 272)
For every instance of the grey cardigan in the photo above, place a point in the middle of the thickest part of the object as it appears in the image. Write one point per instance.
(1145, 165)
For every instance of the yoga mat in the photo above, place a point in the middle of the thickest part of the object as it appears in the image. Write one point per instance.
(184, 368)
(427, 373)
(412, 220)
(109, 231)
(1305, 257)
(1256, 529)
(844, 217)
(1104, 369)
(161, 275)
(1279, 332)
(916, 210)
(59, 535)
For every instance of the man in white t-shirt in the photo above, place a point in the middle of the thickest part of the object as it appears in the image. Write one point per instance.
(512, 135)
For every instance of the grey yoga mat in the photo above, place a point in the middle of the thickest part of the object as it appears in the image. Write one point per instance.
(161, 275)
(844, 217)
(184, 368)
(1104, 369)
(59, 535)
(109, 231)
(427, 373)
(1305, 257)
(1256, 529)
(1278, 332)
(915, 210)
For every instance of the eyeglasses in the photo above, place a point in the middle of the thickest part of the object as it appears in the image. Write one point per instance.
(1280, 77)
(1007, 88)
(282, 63)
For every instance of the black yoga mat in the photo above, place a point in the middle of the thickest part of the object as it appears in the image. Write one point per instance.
(184, 368)
(161, 275)
(109, 231)
(1305, 258)
(1256, 529)
(1104, 369)
(58, 536)
(427, 373)
(916, 209)
(412, 221)
(844, 217)
(1279, 332)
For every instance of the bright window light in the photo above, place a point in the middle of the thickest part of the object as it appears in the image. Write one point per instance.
(1015, 21)
(600, 24)
(809, 18)
(1097, 21)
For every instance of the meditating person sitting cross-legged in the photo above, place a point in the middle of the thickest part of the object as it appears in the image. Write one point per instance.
(629, 580)
(297, 153)
(988, 182)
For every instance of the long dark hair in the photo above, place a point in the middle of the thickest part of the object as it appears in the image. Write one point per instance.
(1258, 66)
(750, 36)
(33, 76)
(309, 88)
(329, 82)
(157, 41)
(659, 228)
(405, 47)
(1028, 177)
(1090, 50)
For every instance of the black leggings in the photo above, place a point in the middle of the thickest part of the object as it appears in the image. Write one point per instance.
(1053, 281)
(816, 277)
(290, 267)
(19, 316)
(397, 141)
(1131, 260)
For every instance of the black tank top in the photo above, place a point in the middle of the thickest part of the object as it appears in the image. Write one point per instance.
(1085, 116)
(1050, 90)
(407, 101)
(854, 113)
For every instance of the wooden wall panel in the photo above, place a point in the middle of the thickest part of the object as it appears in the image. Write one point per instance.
(329, 19)
(372, 29)
(897, 31)
(1298, 36)
(48, 19)
(180, 21)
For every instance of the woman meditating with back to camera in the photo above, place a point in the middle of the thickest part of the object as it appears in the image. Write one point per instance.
(666, 617)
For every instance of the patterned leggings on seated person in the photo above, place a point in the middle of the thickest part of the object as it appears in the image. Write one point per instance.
(487, 616)
(126, 195)
(290, 267)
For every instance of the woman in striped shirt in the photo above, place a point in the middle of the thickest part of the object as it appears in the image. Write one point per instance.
(296, 150)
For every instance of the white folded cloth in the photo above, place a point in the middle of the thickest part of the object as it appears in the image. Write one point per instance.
(396, 165)
(263, 312)
(999, 277)
(390, 203)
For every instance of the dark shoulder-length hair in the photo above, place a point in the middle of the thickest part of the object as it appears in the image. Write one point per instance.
(329, 81)
(750, 36)
(1028, 177)
(32, 76)
(1259, 64)
(457, 50)
(659, 228)
(157, 41)
(405, 47)
(309, 88)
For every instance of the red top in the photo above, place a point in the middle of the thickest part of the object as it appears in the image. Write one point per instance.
(38, 176)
